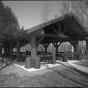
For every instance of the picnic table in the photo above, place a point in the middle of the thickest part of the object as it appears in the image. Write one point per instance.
(72, 56)
(46, 57)
(60, 55)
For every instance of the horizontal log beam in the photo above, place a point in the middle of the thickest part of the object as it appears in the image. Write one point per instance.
(58, 37)
(57, 40)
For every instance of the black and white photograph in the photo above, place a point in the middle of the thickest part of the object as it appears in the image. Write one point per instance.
(44, 43)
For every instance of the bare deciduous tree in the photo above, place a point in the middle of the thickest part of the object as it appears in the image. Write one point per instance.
(46, 14)
(80, 9)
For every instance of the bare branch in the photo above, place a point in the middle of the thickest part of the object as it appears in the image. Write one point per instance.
(82, 8)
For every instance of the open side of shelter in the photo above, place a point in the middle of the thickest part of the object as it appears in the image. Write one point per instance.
(66, 28)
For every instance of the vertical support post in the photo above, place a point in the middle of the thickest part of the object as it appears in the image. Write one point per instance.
(76, 47)
(53, 55)
(45, 49)
(8, 55)
(0, 50)
(5, 50)
(65, 57)
(8, 48)
(33, 50)
(18, 50)
(86, 47)
(45, 45)
(11, 50)
(56, 47)
(73, 43)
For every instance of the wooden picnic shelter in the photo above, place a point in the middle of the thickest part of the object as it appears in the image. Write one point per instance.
(66, 28)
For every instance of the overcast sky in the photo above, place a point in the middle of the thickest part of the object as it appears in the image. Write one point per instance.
(29, 12)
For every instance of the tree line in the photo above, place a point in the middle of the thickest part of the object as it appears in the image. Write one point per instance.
(9, 24)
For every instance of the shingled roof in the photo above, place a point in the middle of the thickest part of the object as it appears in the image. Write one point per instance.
(78, 28)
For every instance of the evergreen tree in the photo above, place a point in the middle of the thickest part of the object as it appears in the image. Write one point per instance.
(8, 22)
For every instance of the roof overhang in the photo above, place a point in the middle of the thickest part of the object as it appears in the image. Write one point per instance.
(70, 28)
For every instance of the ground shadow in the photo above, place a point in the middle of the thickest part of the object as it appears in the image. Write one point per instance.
(72, 67)
(68, 77)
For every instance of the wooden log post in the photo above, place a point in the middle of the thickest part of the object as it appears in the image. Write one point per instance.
(7, 53)
(56, 46)
(56, 49)
(86, 47)
(11, 50)
(28, 63)
(5, 49)
(45, 49)
(33, 50)
(0, 50)
(76, 47)
(73, 43)
(18, 50)
(53, 55)
(45, 45)
(65, 56)
(8, 49)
